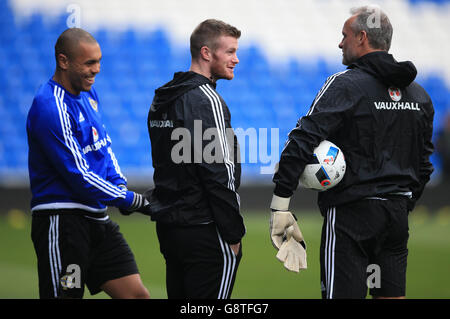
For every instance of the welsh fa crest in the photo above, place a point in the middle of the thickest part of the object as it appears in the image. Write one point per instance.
(395, 94)
(94, 134)
(94, 104)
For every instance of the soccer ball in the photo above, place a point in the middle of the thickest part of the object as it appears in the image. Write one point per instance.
(327, 168)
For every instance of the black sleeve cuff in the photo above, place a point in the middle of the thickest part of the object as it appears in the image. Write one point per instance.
(282, 191)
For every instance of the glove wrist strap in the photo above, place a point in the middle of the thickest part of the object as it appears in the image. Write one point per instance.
(280, 203)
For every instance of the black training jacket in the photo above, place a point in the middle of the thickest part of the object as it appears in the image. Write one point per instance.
(383, 122)
(195, 157)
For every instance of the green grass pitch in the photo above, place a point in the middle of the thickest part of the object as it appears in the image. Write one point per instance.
(260, 275)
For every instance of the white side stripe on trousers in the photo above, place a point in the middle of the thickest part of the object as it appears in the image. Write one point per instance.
(53, 252)
(330, 242)
(229, 264)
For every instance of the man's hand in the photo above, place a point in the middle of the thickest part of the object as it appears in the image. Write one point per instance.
(286, 235)
(280, 220)
(235, 248)
(140, 204)
(292, 253)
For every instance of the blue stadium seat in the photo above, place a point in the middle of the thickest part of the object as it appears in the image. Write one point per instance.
(423, 1)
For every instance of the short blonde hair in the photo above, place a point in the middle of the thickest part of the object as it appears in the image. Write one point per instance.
(207, 33)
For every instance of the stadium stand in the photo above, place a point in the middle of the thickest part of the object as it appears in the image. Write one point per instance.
(137, 58)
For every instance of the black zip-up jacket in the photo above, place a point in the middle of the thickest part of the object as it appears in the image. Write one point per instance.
(383, 122)
(195, 156)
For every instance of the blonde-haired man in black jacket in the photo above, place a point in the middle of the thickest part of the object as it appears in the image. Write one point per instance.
(197, 173)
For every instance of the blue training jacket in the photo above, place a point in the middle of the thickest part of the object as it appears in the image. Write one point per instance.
(70, 160)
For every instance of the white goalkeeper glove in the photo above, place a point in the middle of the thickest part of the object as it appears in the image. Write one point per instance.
(280, 220)
(286, 235)
(292, 253)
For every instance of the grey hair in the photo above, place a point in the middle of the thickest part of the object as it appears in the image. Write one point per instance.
(375, 23)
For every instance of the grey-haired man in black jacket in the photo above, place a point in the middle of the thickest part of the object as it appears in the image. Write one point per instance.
(383, 121)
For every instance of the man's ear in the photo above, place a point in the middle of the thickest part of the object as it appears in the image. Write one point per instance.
(205, 53)
(362, 37)
(63, 61)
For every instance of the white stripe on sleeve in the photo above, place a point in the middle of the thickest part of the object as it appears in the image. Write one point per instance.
(80, 162)
(220, 124)
(324, 88)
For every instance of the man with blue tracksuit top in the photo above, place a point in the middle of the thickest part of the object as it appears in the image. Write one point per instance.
(74, 176)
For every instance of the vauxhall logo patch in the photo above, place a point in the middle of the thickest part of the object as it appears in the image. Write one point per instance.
(98, 143)
(161, 123)
(94, 134)
(399, 106)
(395, 94)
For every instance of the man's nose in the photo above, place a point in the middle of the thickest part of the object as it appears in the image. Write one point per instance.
(96, 68)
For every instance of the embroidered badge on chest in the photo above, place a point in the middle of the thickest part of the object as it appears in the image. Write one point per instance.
(94, 104)
(94, 134)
